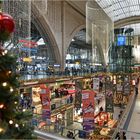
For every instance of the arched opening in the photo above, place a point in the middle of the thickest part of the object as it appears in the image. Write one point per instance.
(33, 41)
(79, 53)
(127, 21)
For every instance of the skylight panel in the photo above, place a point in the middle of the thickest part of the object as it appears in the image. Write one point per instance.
(121, 16)
(122, 8)
(123, 3)
(134, 2)
(135, 13)
(126, 9)
(116, 6)
(103, 3)
(119, 12)
(133, 8)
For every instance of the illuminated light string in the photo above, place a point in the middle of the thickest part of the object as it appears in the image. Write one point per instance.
(9, 72)
(4, 52)
(15, 102)
(21, 11)
(11, 122)
(4, 84)
(11, 89)
(1, 130)
(1, 106)
(16, 125)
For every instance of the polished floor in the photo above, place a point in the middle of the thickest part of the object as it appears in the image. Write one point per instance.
(133, 130)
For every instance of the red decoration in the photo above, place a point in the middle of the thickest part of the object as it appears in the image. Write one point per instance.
(6, 23)
(27, 43)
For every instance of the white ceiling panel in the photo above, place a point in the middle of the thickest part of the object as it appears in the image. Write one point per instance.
(120, 8)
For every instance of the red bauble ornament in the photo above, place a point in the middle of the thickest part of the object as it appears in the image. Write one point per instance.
(6, 23)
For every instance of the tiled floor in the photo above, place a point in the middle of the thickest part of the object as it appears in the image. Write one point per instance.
(133, 129)
(134, 124)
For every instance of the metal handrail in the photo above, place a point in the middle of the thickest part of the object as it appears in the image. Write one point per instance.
(124, 117)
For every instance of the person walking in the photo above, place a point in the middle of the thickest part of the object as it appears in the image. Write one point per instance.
(56, 126)
(136, 89)
(132, 138)
(71, 98)
(62, 127)
(124, 136)
(118, 136)
(136, 86)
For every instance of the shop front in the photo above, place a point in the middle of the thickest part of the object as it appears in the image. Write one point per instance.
(105, 126)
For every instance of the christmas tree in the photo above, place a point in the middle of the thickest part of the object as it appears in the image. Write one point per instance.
(15, 122)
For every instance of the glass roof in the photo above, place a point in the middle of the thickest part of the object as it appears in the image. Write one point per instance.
(119, 9)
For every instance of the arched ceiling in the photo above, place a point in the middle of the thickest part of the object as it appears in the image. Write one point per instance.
(120, 9)
(79, 40)
(127, 21)
(136, 28)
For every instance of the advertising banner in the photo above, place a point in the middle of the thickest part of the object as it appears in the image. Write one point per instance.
(126, 88)
(88, 109)
(109, 90)
(45, 100)
(108, 83)
(96, 82)
(78, 93)
(109, 106)
(119, 87)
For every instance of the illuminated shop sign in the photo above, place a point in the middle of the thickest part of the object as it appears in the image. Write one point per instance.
(27, 59)
(31, 83)
(28, 43)
(121, 40)
(29, 49)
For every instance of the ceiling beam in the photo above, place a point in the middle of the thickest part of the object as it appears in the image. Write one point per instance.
(127, 21)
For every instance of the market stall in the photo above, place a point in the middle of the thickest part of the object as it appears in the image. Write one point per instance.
(78, 115)
(97, 134)
(105, 121)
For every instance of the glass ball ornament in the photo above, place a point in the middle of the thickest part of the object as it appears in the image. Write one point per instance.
(6, 23)
(7, 26)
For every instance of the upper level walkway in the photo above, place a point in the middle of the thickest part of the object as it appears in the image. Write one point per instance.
(133, 124)
(130, 121)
